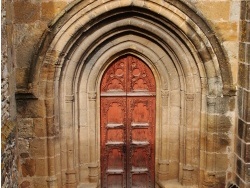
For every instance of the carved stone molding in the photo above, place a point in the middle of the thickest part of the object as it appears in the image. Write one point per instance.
(69, 98)
(164, 96)
(92, 96)
(189, 96)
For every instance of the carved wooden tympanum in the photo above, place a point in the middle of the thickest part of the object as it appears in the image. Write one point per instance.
(127, 124)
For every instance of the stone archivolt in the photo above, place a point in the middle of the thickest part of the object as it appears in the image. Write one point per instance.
(192, 77)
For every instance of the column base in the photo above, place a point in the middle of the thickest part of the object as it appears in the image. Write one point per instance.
(71, 179)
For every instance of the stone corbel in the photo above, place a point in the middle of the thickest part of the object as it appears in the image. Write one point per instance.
(27, 93)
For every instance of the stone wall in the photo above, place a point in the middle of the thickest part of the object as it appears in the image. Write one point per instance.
(223, 16)
(33, 18)
(29, 22)
(8, 112)
(242, 145)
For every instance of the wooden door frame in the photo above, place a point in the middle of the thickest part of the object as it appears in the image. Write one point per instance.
(158, 91)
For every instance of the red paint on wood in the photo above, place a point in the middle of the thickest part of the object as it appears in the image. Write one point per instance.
(128, 124)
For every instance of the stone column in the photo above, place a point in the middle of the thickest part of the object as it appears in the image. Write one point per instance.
(210, 155)
(163, 163)
(71, 172)
(93, 164)
(188, 168)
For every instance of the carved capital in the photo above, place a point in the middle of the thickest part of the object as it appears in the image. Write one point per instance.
(92, 96)
(164, 96)
(164, 93)
(211, 101)
(189, 96)
(69, 98)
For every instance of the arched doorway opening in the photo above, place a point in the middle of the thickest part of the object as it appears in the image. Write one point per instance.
(193, 84)
(128, 124)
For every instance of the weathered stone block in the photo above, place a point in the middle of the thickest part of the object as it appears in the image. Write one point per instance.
(240, 170)
(223, 141)
(50, 89)
(31, 109)
(247, 31)
(23, 146)
(221, 162)
(51, 128)
(241, 129)
(235, 10)
(243, 10)
(223, 124)
(26, 12)
(28, 36)
(50, 9)
(211, 123)
(6, 129)
(247, 132)
(22, 77)
(25, 184)
(41, 167)
(173, 173)
(49, 104)
(221, 179)
(240, 102)
(215, 10)
(28, 167)
(238, 146)
(246, 154)
(243, 75)
(248, 57)
(47, 72)
(38, 147)
(246, 106)
(51, 148)
(25, 128)
(40, 182)
(242, 52)
(39, 127)
(228, 31)
(247, 10)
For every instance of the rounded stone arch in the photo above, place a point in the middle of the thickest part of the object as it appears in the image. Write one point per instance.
(178, 45)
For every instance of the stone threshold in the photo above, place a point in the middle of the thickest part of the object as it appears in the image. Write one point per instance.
(174, 184)
(88, 185)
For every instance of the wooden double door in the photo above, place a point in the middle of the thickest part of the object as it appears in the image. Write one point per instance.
(128, 124)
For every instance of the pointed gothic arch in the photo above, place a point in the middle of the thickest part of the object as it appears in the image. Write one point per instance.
(191, 70)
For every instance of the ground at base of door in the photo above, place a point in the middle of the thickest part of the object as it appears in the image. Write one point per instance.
(175, 184)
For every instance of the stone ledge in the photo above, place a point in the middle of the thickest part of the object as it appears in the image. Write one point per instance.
(174, 184)
(24, 94)
(88, 185)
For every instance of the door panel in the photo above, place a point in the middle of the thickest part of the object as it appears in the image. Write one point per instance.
(127, 124)
(141, 118)
(113, 133)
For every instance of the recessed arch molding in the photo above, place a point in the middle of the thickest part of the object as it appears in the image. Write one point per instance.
(194, 88)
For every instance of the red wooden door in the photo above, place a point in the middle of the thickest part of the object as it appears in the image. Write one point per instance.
(127, 125)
